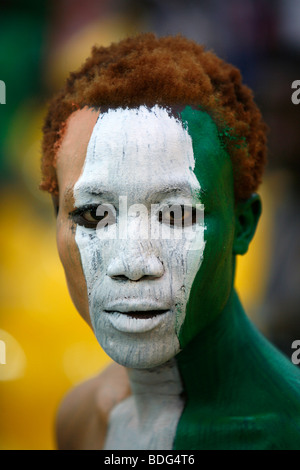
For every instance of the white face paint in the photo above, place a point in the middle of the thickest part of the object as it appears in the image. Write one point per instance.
(144, 156)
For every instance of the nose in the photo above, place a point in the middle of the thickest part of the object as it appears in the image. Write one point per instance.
(135, 265)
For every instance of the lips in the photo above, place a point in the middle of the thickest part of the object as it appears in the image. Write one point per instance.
(137, 321)
(139, 314)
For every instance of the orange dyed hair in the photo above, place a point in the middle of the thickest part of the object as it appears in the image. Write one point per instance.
(168, 71)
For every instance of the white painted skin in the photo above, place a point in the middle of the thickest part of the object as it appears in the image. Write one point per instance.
(144, 156)
(148, 419)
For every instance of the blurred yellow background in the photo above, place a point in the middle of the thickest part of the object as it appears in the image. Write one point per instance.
(49, 348)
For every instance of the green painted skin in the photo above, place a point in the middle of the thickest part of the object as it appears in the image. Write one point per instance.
(241, 393)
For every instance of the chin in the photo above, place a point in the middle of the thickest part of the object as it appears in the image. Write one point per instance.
(138, 349)
(138, 360)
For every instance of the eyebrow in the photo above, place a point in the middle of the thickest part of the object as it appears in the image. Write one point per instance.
(177, 186)
(88, 191)
(94, 189)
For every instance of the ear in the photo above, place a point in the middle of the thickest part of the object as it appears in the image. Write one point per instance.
(247, 214)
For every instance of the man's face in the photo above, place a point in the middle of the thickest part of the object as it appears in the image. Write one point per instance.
(138, 280)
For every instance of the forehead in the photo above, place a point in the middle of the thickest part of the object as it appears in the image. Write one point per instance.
(138, 153)
(138, 147)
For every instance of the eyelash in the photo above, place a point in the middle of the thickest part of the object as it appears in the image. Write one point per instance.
(78, 216)
(183, 221)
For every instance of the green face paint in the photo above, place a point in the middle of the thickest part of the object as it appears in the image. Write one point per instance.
(213, 283)
(240, 392)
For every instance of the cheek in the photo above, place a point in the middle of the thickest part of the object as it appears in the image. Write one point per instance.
(213, 282)
(183, 263)
(70, 258)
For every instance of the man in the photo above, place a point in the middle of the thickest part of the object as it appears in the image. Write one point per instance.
(153, 153)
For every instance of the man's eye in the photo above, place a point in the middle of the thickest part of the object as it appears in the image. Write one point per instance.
(178, 215)
(94, 216)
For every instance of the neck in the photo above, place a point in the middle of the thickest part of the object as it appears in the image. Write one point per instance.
(155, 407)
(153, 383)
(204, 374)
(204, 364)
(209, 362)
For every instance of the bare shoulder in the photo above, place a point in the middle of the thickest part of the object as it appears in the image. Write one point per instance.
(83, 414)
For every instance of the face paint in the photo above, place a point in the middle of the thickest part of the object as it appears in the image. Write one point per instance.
(213, 283)
(138, 287)
(152, 411)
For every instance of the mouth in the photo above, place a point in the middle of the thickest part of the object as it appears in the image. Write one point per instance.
(137, 321)
(141, 315)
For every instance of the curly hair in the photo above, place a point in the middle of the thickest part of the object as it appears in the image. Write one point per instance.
(168, 71)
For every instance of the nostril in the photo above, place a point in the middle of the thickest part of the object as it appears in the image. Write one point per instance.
(148, 277)
(120, 278)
